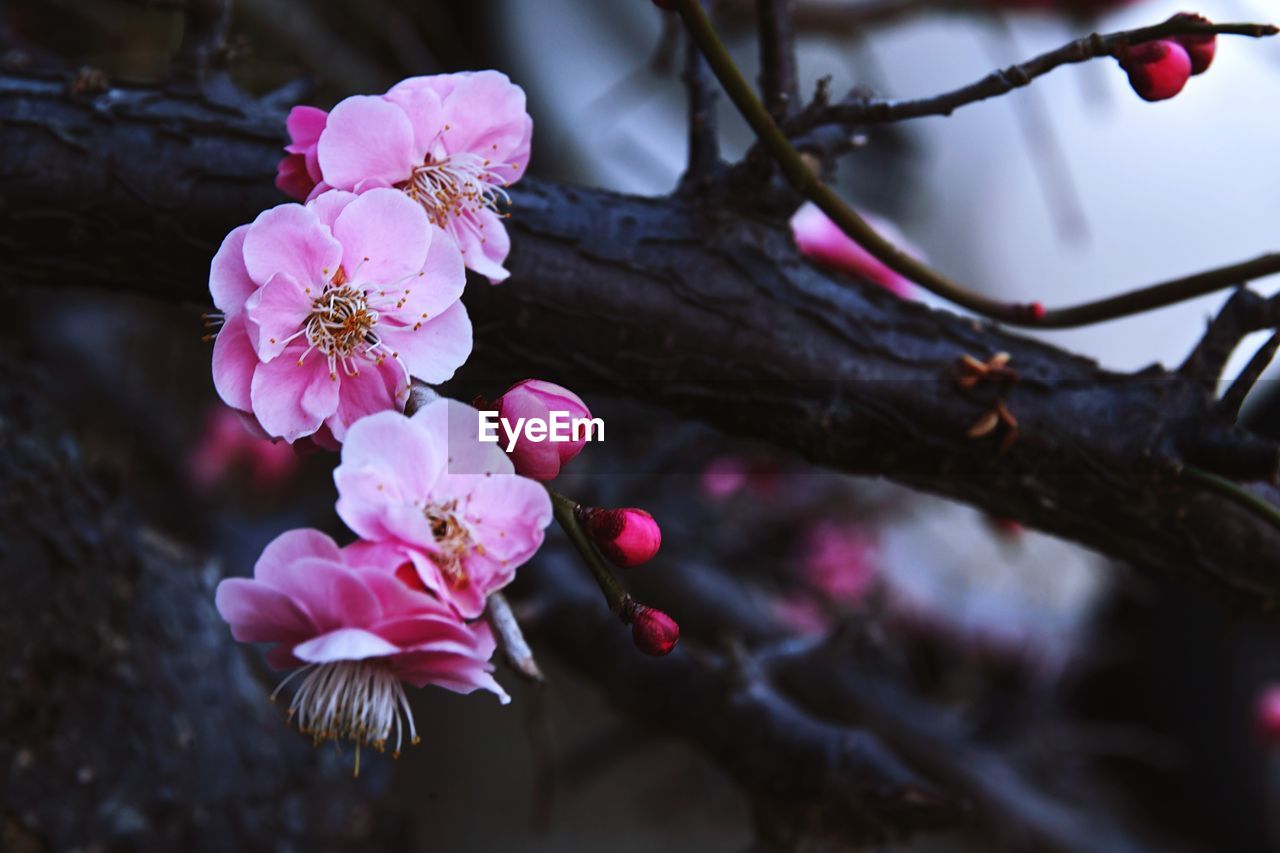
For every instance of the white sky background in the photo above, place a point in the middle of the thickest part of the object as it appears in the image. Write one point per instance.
(1167, 189)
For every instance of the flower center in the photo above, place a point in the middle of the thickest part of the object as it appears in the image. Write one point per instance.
(458, 186)
(361, 701)
(453, 537)
(341, 322)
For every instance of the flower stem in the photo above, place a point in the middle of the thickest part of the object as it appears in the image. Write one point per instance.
(565, 510)
(803, 179)
(1243, 498)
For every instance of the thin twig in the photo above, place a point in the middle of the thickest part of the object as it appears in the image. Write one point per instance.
(565, 513)
(1233, 400)
(704, 142)
(204, 37)
(809, 185)
(1003, 81)
(514, 647)
(1263, 509)
(778, 77)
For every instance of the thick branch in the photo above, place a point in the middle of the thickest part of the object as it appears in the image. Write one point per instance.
(688, 306)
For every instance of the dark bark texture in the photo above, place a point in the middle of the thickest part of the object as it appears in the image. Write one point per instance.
(129, 718)
(694, 303)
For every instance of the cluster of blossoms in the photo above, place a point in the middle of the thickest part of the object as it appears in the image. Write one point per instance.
(1158, 70)
(328, 310)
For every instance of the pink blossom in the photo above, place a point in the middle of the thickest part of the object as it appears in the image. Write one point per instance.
(356, 633)
(536, 399)
(227, 443)
(330, 307)
(454, 506)
(451, 142)
(839, 561)
(822, 240)
(299, 171)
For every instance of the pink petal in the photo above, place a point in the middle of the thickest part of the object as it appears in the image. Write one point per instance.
(455, 426)
(344, 644)
(234, 362)
(391, 443)
(366, 138)
(290, 546)
(279, 310)
(509, 515)
(290, 399)
(293, 178)
(486, 115)
(334, 595)
(425, 113)
(374, 388)
(229, 281)
(437, 348)
(326, 206)
(384, 239)
(304, 125)
(440, 284)
(259, 614)
(290, 239)
(484, 249)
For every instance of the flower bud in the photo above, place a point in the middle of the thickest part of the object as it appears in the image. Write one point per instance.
(1199, 47)
(654, 632)
(1157, 69)
(535, 399)
(626, 537)
(1267, 716)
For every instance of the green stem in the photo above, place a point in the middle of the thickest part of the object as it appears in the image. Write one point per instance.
(1243, 498)
(808, 185)
(565, 513)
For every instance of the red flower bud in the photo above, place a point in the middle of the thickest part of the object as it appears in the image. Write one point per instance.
(1267, 716)
(654, 632)
(627, 537)
(1157, 69)
(1199, 47)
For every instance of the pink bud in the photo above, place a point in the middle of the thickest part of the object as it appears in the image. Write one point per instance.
(627, 537)
(1267, 716)
(1157, 69)
(654, 632)
(535, 399)
(1201, 46)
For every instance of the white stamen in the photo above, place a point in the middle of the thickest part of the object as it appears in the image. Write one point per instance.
(459, 186)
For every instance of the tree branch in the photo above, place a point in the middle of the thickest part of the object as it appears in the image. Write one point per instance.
(705, 311)
(778, 77)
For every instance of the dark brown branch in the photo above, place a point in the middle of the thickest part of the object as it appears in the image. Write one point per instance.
(1233, 399)
(705, 311)
(204, 38)
(779, 81)
(1005, 80)
(704, 141)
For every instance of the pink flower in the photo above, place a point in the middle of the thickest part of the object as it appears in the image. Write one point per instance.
(357, 633)
(329, 308)
(839, 561)
(820, 239)
(428, 486)
(451, 142)
(227, 443)
(1267, 716)
(535, 399)
(299, 171)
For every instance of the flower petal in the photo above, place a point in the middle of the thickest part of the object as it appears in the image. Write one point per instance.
(344, 644)
(290, 239)
(292, 399)
(229, 281)
(384, 240)
(259, 614)
(373, 388)
(437, 348)
(366, 138)
(279, 309)
(486, 114)
(234, 362)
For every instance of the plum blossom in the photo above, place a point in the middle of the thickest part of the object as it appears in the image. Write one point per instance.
(534, 399)
(450, 142)
(329, 308)
(451, 504)
(820, 239)
(227, 443)
(356, 634)
(839, 561)
(299, 171)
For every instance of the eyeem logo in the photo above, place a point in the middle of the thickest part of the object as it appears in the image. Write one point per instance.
(558, 427)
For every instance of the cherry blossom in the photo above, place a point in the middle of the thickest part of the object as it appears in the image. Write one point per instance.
(329, 308)
(534, 399)
(356, 634)
(450, 142)
(299, 171)
(453, 505)
(820, 239)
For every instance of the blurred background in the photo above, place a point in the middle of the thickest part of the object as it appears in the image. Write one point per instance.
(1066, 191)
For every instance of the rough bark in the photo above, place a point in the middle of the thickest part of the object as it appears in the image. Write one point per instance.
(129, 719)
(692, 303)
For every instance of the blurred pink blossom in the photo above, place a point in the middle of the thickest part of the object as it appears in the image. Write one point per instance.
(227, 443)
(299, 171)
(839, 560)
(820, 239)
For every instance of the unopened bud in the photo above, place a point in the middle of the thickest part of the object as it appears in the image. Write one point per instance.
(1157, 69)
(627, 537)
(654, 632)
(1200, 47)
